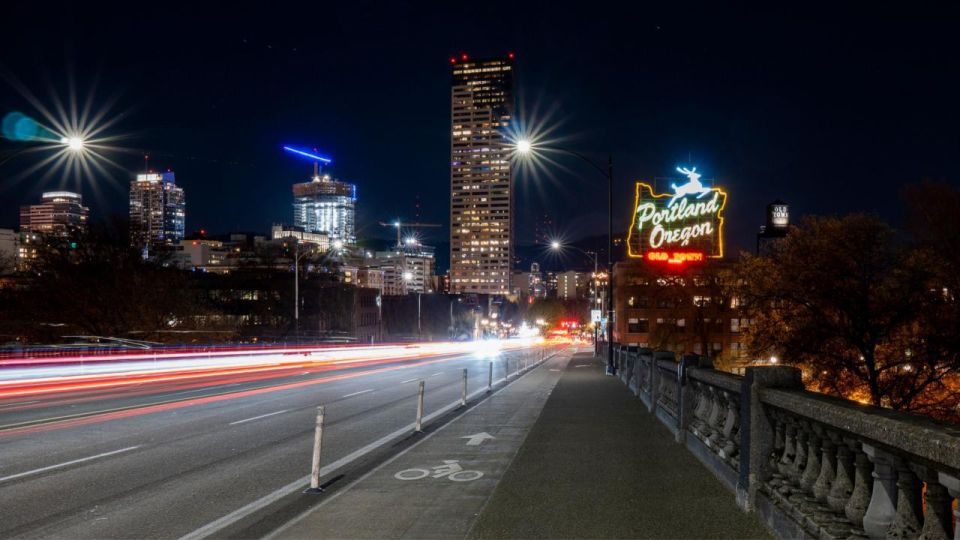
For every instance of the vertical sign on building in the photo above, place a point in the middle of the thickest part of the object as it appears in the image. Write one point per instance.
(481, 206)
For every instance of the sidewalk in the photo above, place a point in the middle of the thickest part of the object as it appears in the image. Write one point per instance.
(597, 464)
(438, 487)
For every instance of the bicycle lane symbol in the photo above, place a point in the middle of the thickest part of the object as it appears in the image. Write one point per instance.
(451, 469)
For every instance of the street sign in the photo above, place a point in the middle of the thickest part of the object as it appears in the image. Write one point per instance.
(595, 315)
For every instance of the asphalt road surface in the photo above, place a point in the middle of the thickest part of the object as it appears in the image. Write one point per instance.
(173, 458)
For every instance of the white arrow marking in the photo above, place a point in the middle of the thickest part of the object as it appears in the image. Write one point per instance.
(477, 438)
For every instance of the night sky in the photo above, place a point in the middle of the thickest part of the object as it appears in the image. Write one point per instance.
(830, 109)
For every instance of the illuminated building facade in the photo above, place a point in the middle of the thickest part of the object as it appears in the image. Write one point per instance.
(406, 269)
(60, 214)
(572, 284)
(681, 309)
(670, 293)
(481, 204)
(282, 232)
(326, 205)
(158, 211)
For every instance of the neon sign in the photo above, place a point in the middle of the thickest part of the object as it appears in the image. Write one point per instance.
(685, 226)
(675, 257)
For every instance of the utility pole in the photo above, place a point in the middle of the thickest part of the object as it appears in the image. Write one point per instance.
(611, 368)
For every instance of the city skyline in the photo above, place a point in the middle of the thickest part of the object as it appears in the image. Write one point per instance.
(760, 120)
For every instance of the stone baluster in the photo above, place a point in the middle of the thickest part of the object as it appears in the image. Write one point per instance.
(730, 425)
(906, 524)
(812, 469)
(717, 416)
(937, 502)
(709, 408)
(828, 469)
(779, 426)
(862, 483)
(789, 446)
(842, 487)
(800, 460)
(882, 508)
(952, 484)
(702, 408)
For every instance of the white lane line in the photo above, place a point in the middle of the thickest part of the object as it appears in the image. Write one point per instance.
(245, 420)
(4, 406)
(410, 380)
(358, 393)
(298, 484)
(192, 391)
(437, 373)
(66, 464)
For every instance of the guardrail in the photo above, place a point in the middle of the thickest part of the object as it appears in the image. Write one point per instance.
(810, 465)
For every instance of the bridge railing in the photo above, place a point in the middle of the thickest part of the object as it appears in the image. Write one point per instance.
(810, 465)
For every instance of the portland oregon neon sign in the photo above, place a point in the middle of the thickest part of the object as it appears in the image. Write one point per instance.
(677, 228)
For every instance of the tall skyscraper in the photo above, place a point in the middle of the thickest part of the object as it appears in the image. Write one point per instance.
(157, 211)
(481, 204)
(325, 205)
(59, 214)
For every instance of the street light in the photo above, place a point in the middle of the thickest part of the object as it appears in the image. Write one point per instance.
(525, 147)
(74, 144)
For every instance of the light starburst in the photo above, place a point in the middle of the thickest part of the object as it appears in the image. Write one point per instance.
(68, 137)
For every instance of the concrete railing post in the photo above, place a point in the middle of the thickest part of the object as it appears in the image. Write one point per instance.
(463, 390)
(490, 377)
(419, 427)
(756, 428)
(317, 445)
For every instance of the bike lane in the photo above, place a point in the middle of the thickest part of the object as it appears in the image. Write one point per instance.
(438, 487)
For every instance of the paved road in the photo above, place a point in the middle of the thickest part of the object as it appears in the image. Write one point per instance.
(168, 460)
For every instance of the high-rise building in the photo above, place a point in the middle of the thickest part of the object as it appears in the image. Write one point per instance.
(481, 204)
(59, 214)
(157, 211)
(326, 205)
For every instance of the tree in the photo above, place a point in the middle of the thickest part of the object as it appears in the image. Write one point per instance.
(103, 288)
(846, 300)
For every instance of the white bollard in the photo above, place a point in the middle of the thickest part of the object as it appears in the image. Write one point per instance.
(490, 378)
(317, 444)
(463, 391)
(420, 408)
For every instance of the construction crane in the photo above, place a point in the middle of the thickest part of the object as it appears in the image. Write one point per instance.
(414, 225)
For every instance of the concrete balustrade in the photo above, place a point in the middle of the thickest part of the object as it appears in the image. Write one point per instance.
(812, 466)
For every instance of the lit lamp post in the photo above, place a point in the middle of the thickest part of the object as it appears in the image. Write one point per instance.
(526, 147)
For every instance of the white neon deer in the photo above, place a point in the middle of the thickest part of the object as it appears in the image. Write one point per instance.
(692, 187)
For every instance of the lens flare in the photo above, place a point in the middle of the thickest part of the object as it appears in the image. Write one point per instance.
(67, 135)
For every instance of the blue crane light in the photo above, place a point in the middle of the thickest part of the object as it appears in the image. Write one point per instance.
(315, 157)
